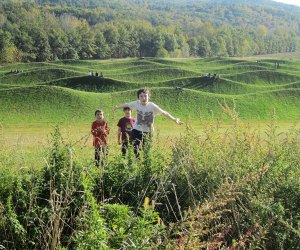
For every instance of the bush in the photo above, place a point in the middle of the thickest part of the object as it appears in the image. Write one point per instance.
(234, 189)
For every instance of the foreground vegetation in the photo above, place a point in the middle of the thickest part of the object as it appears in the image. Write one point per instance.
(215, 189)
(218, 183)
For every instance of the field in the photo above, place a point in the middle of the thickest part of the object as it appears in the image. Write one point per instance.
(234, 164)
(61, 92)
(43, 95)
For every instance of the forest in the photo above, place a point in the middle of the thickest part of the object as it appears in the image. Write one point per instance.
(48, 30)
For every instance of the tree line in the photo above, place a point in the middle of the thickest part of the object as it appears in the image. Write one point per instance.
(36, 31)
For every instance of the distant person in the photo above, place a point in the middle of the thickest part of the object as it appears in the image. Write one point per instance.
(125, 126)
(96, 74)
(101, 75)
(100, 131)
(178, 88)
(144, 123)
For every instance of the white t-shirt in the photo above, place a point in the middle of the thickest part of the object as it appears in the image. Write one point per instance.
(144, 121)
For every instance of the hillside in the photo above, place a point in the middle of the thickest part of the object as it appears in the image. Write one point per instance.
(218, 12)
(38, 31)
(215, 182)
(63, 92)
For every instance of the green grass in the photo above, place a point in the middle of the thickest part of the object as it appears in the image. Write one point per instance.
(200, 164)
(279, 56)
(264, 77)
(37, 76)
(44, 104)
(61, 91)
(49, 104)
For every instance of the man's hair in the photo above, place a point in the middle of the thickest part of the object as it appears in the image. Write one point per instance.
(144, 90)
(126, 108)
(98, 111)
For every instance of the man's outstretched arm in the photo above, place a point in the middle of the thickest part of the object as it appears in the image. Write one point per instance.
(168, 115)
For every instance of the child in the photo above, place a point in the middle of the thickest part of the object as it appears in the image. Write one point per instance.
(146, 112)
(125, 125)
(99, 130)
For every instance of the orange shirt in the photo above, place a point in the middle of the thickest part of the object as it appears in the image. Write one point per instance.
(100, 137)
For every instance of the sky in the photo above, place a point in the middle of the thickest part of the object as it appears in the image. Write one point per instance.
(294, 2)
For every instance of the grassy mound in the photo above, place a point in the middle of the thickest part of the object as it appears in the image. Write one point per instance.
(37, 76)
(64, 90)
(44, 104)
(51, 104)
(10, 68)
(153, 75)
(94, 84)
(264, 77)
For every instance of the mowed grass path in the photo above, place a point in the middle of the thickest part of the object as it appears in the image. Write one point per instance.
(41, 95)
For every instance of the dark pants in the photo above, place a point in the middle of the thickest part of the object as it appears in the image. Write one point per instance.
(124, 147)
(100, 154)
(138, 139)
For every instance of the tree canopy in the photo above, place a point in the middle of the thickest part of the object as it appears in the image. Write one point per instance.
(43, 30)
